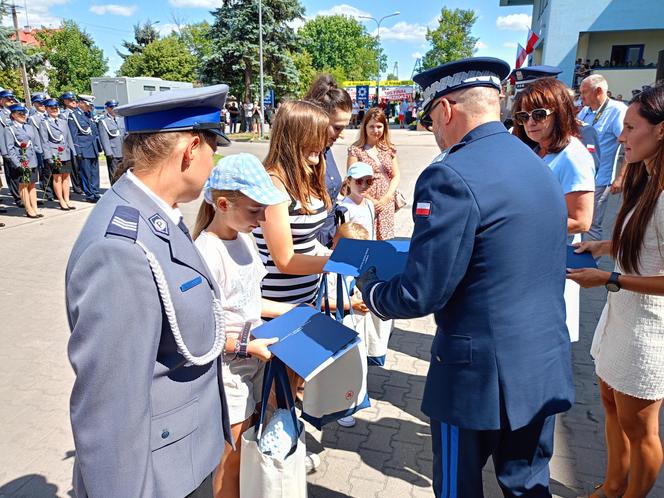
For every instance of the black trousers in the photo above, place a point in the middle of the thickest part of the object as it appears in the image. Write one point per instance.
(45, 176)
(75, 176)
(112, 164)
(204, 490)
(520, 458)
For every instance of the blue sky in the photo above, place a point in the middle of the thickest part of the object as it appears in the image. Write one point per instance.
(499, 28)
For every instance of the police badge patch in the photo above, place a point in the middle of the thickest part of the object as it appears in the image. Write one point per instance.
(159, 224)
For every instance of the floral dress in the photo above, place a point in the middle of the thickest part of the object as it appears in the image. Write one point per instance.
(383, 174)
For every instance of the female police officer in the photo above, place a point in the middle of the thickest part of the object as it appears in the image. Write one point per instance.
(148, 408)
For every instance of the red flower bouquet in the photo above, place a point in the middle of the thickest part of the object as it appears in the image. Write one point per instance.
(26, 172)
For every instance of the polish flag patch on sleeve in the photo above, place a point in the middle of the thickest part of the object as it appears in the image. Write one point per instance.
(423, 209)
(591, 148)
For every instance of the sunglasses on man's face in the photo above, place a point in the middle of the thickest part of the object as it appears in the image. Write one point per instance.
(360, 181)
(538, 115)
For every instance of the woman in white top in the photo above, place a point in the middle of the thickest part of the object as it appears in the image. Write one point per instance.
(628, 346)
(236, 195)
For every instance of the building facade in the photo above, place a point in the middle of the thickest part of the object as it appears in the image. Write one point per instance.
(623, 36)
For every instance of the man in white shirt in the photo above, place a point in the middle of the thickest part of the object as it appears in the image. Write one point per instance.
(606, 116)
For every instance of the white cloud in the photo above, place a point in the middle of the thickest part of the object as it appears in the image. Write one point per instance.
(480, 45)
(200, 4)
(166, 28)
(114, 9)
(509, 44)
(403, 31)
(343, 9)
(296, 23)
(416, 55)
(514, 22)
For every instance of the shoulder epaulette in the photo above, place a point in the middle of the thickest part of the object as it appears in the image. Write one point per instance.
(124, 223)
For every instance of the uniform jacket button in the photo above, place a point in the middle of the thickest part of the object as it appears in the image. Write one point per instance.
(439, 359)
(165, 434)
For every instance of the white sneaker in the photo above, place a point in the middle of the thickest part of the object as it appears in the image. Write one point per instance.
(348, 421)
(311, 462)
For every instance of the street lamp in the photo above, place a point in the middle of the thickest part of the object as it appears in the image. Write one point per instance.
(378, 22)
(261, 115)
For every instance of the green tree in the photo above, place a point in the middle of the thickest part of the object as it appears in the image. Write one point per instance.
(197, 38)
(391, 76)
(144, 34)
(305, 70)
(167, 58)
(451, 40)
(11, 53)
(73, 58)
(342, 44)
(234, 56)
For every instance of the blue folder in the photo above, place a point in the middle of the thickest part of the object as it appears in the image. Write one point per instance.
(579, 260)
(309, 341)
(352, 257)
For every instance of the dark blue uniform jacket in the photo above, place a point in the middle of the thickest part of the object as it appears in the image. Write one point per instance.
(487, 257)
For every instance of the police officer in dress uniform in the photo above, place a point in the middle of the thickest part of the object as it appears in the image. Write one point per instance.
(12, 175)
(85, 135)
(70, 104)
(526, 75)
(111, 134)
(35, 116)
(148, 408)
(487, 257)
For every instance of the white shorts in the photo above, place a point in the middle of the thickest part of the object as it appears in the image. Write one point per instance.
(243, 381)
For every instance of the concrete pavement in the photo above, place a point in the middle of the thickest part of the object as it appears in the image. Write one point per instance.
(387, 454)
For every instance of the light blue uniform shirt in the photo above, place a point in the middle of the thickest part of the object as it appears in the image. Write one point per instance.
(574, 168)
(609, 127)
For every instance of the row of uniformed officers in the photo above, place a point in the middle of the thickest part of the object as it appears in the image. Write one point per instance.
(58, 146)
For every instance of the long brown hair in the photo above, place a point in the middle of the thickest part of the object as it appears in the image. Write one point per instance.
(640, 192)
(206, 211)
(548, 93)
(325, 92)
(299, 126)
(376, 114)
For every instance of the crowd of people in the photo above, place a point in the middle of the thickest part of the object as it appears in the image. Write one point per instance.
(168, 376)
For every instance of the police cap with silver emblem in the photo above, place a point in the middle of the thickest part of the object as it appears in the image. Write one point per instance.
(88, 99)
(7, 94)
(68, 96)
(38, 98)
(111, 103)
(51, 103)
(458, 75)
(17, 108)
(178, 110)
(532, 73)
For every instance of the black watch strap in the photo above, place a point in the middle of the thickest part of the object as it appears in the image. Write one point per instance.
(243, 341)
(613, 284)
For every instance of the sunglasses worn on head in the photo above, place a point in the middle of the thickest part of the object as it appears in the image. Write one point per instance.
(360, 181)
(538, 115)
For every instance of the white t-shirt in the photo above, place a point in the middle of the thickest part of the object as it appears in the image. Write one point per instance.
(238, 270)
(364, 214)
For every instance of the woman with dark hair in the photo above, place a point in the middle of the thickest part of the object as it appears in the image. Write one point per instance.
(338, 105)
(374, 147)
(545, 118)
(628, 346)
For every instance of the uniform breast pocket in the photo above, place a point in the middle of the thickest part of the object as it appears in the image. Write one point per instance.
(453, 349)
(174, 425)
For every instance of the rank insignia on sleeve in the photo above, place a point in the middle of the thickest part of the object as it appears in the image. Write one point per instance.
(423, 209)
(159, 224)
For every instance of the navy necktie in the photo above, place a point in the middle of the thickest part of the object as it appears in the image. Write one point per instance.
(184, 228)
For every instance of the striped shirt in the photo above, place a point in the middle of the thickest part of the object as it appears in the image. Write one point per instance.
(287, 288)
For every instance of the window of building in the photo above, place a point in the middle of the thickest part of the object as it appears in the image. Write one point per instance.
(626, 55)
(149, 88)
(164, 88)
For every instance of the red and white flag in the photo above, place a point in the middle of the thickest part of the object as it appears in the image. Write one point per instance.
(532, 40)
(520, 56)
(423, 209)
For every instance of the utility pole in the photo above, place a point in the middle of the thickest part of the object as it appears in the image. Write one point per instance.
(378, 23)
(260, 58)
(24, 73)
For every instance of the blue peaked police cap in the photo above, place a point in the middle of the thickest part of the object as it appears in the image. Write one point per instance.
(68, 95)
(17, 108)
(38, 98)
(459, 75)
(7, 94)
(178, 110)
(532, 73)
(111, 103)
(51, 103)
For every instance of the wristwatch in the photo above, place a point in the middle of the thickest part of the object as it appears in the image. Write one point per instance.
(612, 285)
(242, 342)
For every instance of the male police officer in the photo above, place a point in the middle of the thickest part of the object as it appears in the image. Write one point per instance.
(111, 134)
(12, 174)
(70, 104)
(85, 135)
(148, 408)
(487, 257)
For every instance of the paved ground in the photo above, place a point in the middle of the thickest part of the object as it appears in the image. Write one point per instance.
(387, 454)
